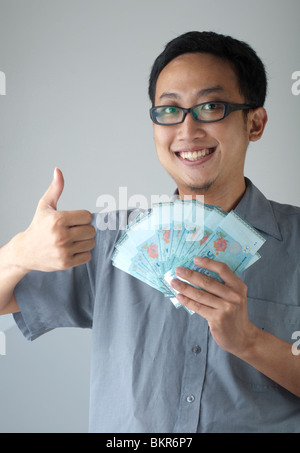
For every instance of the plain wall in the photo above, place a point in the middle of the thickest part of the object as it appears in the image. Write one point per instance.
(76, 97)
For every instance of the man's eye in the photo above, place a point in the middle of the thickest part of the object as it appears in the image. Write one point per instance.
(212, 106)
(170, 110)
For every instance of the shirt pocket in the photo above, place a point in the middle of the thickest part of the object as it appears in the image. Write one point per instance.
(277, 319)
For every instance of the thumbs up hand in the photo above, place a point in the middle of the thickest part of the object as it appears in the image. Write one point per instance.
(54, 191)
(56, 240)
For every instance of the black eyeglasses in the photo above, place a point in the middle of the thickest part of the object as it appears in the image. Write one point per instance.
(207, 112)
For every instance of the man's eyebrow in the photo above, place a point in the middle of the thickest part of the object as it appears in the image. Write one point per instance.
(209, 90)
(200, 94)
(169, 95)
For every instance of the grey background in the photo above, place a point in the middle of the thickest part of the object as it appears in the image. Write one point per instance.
(70, 65)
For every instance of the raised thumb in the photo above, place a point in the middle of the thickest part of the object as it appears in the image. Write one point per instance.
(54, 191)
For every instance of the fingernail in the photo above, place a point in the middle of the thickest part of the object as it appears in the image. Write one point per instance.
(198, 260)
(180, 271)
(175, 283)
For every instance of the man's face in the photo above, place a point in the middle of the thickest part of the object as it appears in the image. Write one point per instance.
(221, 147)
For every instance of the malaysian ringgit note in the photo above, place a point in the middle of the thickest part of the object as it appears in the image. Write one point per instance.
(171, 234)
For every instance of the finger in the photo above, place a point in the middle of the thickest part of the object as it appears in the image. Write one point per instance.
(231, 280)
(203, 281)
(54, 191)
(81, 258)
(75, 218)
(82, 233)
(82, 246)
(196, 294)
(202, 310)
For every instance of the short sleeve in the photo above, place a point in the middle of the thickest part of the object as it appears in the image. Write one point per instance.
(48, 300)
(55, 299)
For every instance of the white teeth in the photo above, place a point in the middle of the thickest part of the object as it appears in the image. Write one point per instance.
(195, 155)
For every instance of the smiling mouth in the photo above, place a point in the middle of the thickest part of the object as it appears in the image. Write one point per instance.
(193, 156)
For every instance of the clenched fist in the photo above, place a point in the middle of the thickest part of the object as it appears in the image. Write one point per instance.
(57, 240)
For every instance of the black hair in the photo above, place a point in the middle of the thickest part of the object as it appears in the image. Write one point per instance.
(247, 65)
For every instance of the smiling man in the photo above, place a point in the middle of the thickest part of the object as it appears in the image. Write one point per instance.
(205, 157)
(228, 368)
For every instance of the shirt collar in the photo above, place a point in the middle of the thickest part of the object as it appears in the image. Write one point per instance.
(256, 210)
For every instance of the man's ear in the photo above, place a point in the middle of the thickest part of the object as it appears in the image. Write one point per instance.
(257, 123)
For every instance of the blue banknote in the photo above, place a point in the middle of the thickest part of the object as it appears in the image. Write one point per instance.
(171, 234)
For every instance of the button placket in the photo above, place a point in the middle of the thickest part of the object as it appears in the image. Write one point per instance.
(193, 376)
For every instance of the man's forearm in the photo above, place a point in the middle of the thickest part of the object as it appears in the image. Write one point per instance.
(11, 272)
(274, 358)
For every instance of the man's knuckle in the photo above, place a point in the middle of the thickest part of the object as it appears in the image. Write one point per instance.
(223, 267)
(92, 231)
(60, 239)
(228, 309)
(233, 296)
(207, 280)
(183, 285)
(244, 290)
(88, 217)
(58, 221)
(188, 272)
(64, 261)
(225, 314)
(88, 257)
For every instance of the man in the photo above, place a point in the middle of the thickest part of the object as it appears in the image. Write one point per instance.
(229, 367)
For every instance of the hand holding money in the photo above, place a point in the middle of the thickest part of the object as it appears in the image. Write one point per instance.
(223, 305)
(172, 234)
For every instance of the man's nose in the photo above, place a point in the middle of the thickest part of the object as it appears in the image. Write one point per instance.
(190, 128)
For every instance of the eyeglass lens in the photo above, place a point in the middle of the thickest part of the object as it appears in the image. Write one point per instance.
(211, 111)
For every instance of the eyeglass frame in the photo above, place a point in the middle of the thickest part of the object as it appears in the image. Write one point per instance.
(229, 108)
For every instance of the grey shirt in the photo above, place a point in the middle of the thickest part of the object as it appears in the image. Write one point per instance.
(157, 369)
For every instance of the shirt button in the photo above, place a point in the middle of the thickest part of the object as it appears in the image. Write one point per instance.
(196, 349)
(190, 399)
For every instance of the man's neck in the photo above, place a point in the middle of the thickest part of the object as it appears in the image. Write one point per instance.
(227, 197)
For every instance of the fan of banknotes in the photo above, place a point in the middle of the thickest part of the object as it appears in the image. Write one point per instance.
(171, 234)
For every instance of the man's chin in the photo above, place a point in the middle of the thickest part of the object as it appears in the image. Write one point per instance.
(201, 188)
(196, 189)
